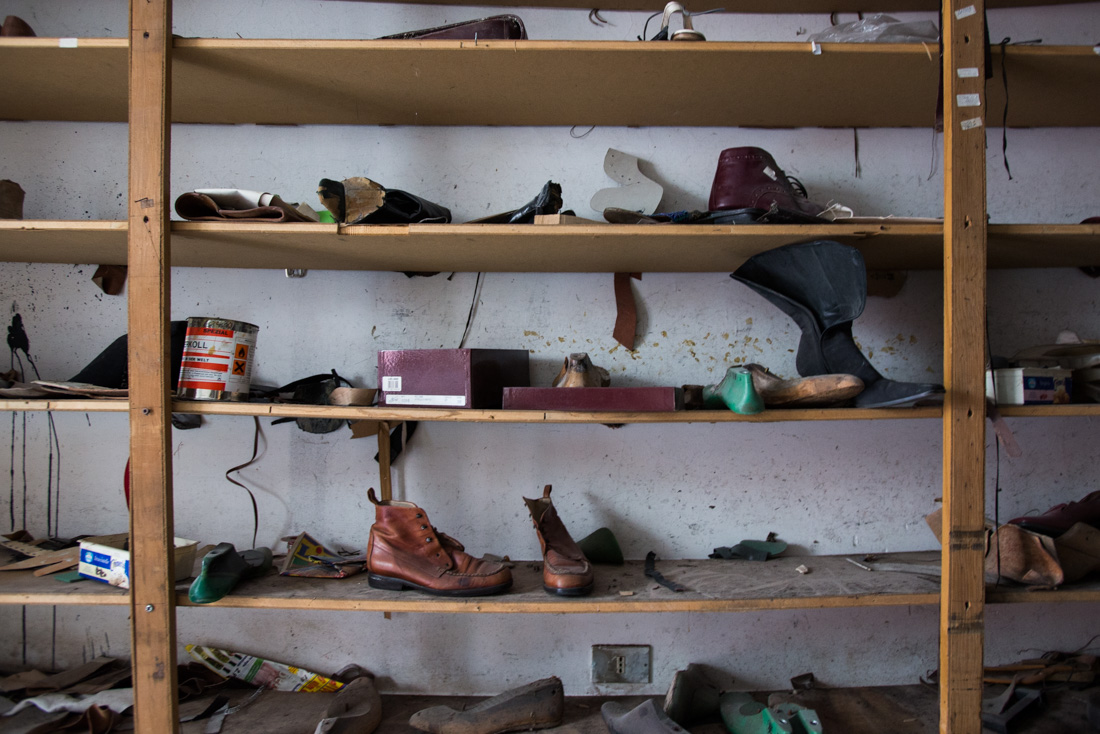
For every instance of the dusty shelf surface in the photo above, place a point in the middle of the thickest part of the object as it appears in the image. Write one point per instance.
(713, 586)
(23, 587)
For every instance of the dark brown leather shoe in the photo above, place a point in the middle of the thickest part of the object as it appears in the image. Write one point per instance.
(750, 179)
(11, 200)
(565, 570)
(406, 552)
(15, 26)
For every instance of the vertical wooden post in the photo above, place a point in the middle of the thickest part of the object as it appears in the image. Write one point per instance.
(385, 483)
(962, 596)
(152, 574)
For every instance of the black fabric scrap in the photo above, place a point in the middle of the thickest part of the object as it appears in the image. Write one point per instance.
(652, 573)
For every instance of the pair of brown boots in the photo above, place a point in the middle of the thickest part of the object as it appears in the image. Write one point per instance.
(405, 551)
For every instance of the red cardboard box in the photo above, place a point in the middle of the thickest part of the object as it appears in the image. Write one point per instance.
(450, 378)
(632, 399)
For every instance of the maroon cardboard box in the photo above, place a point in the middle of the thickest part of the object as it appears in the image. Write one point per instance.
(632, 399)
(450, 378)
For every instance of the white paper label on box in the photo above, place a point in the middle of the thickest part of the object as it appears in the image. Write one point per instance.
(968, 72)
(66, 43)
(391, 383)
(457, 401)
(965, 12)
(969, 100)
(971, 124)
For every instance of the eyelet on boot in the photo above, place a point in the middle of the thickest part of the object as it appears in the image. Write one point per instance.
(427, 540)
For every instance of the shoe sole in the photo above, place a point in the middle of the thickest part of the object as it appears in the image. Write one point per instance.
(579, 591)
(389, 583)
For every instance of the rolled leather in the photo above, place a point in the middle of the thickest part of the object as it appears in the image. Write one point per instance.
(496, 27)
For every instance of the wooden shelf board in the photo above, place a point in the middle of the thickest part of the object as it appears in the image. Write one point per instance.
(427, 83)
(67, 405)
(465, 415)
(23, 587)
(1082, 591)
(1043, 245)
(716, 586)
(533, 248)
(1050, 411)
(84, 84)
(751, 6)
(63, 241)
(412, 82)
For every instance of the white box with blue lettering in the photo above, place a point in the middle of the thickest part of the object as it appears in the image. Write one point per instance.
(106, 558)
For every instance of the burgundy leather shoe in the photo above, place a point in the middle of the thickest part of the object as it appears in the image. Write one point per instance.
(749, 178)
(1060, 518)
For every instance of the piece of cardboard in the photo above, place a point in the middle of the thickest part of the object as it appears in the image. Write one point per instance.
(105, 558)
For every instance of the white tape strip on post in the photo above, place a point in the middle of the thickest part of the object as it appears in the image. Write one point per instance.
(965, 12)
(969, 100)
(66, 43)
(968, 72)
(971, 124)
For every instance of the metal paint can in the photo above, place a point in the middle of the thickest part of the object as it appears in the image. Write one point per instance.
(217, 359)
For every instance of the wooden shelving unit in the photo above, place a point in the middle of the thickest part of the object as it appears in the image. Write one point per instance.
(359, 82)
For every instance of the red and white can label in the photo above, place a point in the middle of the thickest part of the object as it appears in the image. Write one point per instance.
(217, 359)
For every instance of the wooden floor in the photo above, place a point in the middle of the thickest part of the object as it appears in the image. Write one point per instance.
(879, 710)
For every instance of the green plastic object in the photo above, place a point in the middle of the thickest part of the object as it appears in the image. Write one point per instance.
(735, 392)
(223, 568)
(326, 217)
(601, 547)
(742, 714)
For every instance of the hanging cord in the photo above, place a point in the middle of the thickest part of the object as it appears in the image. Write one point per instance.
(473, 310)
(251, 496)
(18, 341)
(855, 148)
(1006, 41)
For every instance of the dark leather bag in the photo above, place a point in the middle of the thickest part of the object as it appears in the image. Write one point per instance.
(496, 27)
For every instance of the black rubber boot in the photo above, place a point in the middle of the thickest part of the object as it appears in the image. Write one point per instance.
(822, 286)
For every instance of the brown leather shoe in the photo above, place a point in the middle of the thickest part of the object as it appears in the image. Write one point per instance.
(1060, 518)
(406, 552)
(565, 570)
(11, 200)
(749, 178)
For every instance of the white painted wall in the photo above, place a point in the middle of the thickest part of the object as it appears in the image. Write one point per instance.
(678, 490)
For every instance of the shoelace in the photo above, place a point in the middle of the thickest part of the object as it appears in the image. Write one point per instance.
(798, 186)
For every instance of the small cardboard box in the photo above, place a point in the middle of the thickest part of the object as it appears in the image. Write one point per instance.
(1030, 385)
(450, 378)
(630, 399)
(105, 558)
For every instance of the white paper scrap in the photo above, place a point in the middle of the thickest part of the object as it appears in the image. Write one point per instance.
(66, 43)
(969, 100)
(971, 124)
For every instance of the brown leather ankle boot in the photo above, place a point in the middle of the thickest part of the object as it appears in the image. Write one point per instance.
(565, 570)
(406, 552)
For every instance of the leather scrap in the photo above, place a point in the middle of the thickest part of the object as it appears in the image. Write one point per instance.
(652, 572)
(110, 278)
(626, 310)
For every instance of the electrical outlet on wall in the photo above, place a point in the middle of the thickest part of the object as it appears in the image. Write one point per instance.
(621, 663)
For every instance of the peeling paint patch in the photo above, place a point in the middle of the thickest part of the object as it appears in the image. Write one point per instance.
(748, 321)
(688, 343)
(535, 334)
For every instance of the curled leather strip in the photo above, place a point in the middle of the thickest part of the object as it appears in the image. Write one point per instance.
(653, 573)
